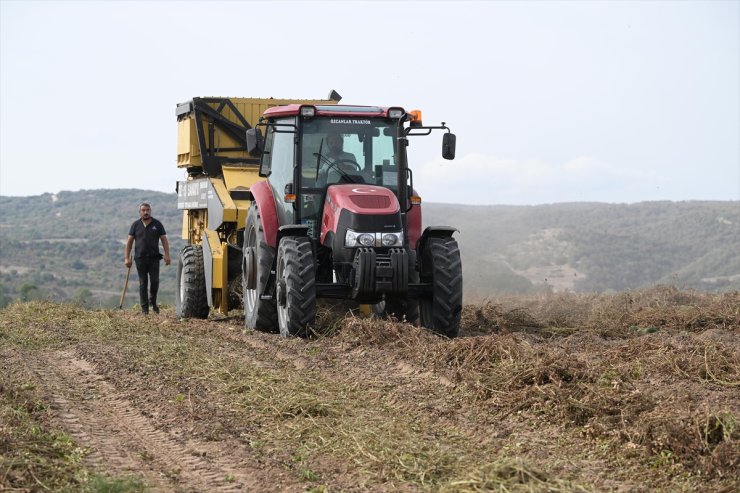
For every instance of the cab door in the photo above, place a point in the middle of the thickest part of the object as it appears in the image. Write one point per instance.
(278, 163)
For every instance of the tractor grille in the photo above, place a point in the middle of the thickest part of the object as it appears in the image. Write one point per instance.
(370, 201)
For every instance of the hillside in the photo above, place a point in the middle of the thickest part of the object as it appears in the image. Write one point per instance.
(632, 391)
(594, 247)
(70, 245)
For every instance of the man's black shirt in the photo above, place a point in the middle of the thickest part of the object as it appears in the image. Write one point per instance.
(147, 238)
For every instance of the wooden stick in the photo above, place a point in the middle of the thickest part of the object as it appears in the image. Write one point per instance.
(120, 305)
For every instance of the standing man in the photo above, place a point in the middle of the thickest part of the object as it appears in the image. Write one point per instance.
(147, 232)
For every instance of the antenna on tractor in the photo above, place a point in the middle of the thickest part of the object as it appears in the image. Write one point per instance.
(334, 96)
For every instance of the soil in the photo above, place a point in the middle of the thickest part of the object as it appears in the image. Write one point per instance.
(377, 405)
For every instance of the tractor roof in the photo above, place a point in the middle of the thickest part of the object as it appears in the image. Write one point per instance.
(329, 110)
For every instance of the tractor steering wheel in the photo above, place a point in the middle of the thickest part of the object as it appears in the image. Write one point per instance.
(327, 164)
(351, 162)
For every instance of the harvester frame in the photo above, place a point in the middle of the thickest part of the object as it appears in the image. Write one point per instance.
(214, 198)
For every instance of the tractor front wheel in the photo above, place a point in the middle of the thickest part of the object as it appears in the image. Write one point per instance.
(441, 266)
(295, 289)
(190, 298)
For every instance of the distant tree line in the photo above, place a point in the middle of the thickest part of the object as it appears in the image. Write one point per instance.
(69, 246)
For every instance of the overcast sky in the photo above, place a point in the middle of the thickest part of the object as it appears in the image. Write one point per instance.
(550, 101)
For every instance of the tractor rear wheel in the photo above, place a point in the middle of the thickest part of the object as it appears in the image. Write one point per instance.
(295, 289)
(259, 314)
(190, 298)
(441, 266)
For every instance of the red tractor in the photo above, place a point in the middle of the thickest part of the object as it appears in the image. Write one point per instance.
(338, 217)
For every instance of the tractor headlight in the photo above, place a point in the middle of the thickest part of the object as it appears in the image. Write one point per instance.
(391, 239)
(356, 239)
(395, 113)
(366, 239)
(308, 111)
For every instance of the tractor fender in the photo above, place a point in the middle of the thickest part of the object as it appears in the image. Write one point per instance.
(433, 232)
(262, 196)
(291, 230)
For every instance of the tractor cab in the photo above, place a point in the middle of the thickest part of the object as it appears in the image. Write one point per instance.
(309, 148)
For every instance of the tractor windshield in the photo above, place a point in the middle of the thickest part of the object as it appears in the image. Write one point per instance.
(344, 150)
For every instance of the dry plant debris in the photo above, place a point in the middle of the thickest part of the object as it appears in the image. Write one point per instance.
(633, 391)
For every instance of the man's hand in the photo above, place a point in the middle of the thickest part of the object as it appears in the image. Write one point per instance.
(166, 246)
(127, 251)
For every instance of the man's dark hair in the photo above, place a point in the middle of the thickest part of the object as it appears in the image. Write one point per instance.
(144, 204)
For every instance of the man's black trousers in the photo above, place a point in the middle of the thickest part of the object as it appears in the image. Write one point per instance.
(148, 270)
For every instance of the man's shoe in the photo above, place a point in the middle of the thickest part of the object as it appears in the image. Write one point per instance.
(155, 308)
(145, 310)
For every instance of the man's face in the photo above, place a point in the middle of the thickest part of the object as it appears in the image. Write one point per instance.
(335, 143)
(145, 212)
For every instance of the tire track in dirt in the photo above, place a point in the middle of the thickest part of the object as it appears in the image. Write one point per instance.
(124, 441)
(351, 365)
(413, 387)
(408, 387)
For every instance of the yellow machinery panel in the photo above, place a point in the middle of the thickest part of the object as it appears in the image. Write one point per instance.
(210, 196)
(238, 178)
(215, 262)
(220, 207)
(217, 254)
(209, 202)
(188, 150)
(196, 130)
(244, 177)
(185, 234)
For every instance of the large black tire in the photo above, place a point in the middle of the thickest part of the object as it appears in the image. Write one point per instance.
(296, 286)
(259, 314)
(190, 297)
(441, 266)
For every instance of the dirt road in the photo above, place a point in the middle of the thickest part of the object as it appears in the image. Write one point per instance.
(633, 392)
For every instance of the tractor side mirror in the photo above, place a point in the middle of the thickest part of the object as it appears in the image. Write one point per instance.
(448, 146)
(255, 142)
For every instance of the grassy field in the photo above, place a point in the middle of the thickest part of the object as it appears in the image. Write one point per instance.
(635, 391)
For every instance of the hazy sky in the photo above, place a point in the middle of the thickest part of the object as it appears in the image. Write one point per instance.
(550, 101)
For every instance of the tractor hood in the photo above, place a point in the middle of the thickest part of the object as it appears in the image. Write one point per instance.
(362, 199)
(359, 207)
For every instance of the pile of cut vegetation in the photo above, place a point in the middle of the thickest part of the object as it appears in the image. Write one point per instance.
(652, 373)
(633, 391)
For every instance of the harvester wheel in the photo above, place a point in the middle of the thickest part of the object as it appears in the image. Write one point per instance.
(259, 314)
(190, 298)
(296, 286)
(441, 266)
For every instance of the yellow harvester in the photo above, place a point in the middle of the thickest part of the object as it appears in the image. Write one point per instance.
(212, 149)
